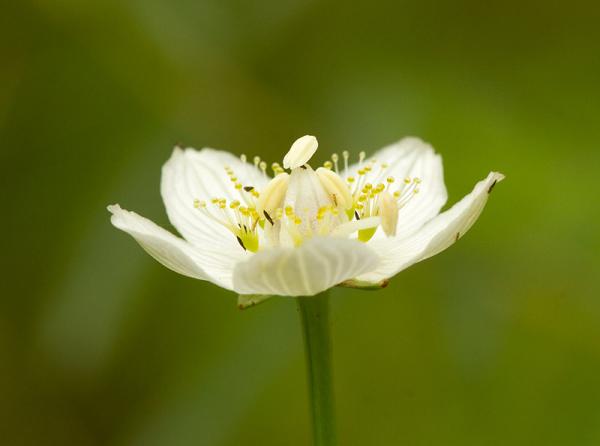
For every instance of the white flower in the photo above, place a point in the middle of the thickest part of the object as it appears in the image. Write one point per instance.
(305, 231)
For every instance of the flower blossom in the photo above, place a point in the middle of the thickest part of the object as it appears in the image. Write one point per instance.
(303, 230)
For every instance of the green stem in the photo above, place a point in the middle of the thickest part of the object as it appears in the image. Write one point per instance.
(314, 313)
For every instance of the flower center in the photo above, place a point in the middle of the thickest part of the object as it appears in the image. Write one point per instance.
(306, 203)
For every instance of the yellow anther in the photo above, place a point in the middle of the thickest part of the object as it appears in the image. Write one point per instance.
(361, 172)
(362, 198)
(277, 169)
(384, 165)
(233, 178)
(243, 158)
(289, 211)
(407, 180)
(368, 168)
(263, 166)
(297, 220)
(256, 160)
(397, 194)
(390, 180)
(327, 164)
(367, 187)
(350, 180)
(214, 200)
(234, 204)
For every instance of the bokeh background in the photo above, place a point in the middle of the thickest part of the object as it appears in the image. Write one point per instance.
(494, 342)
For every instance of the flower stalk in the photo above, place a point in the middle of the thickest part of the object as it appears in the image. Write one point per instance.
(314, 315)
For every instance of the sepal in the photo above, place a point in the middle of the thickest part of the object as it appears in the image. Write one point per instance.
(250, 300)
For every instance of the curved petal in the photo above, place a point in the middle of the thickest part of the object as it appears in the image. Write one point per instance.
(189, 175)
(437, 235)
(173, 252)
(411, 158)
(317, 265)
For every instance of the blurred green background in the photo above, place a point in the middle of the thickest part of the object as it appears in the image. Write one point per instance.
(494, 342)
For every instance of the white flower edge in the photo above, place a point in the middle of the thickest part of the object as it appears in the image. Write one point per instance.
(315, 266)
(173, 252)
(439, 233)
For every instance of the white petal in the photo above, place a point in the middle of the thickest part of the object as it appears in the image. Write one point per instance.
(173, 252)
(412, 157)
(190, 174)
(437, 235)
(317, 265)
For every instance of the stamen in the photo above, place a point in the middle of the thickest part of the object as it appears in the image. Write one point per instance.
(334, 158)
(346, 156)
(357, 204)
(263, 167)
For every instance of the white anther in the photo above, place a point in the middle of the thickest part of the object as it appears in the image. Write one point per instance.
(389, 214)
(335, 187)
(272, 196)
(301, 151)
